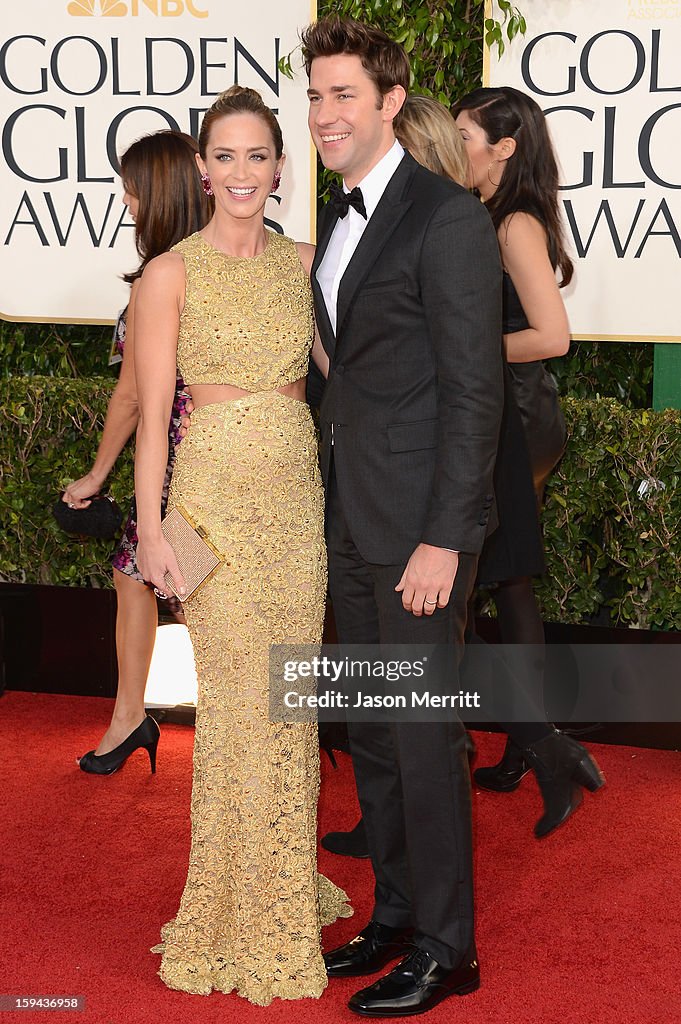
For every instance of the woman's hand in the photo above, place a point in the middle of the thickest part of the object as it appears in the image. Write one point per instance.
(78, 493)
(154, 560)
(185, 421)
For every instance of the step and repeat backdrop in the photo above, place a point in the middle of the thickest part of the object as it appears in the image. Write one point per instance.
(608, 76)
(82, 79)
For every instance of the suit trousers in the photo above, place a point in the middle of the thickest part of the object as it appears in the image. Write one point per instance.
(412, 777)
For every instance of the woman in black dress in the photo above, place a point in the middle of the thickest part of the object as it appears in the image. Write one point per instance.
(513, 168)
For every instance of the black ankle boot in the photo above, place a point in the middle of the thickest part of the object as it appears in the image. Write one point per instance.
(562, 766)
(505, 776)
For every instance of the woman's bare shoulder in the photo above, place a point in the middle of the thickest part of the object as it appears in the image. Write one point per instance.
(520, 228)
(168, 263)
(306, 253)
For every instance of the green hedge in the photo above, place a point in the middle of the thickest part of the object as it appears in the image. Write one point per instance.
(623, 371)
(610, 520)
(51, 432)
(55, 350)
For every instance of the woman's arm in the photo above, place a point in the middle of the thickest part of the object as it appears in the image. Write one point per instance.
(121, 420)
(319, 355)
(524, 254)
(157, 323)
(306, 254)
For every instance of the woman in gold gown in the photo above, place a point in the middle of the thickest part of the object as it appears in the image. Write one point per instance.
(232, 304)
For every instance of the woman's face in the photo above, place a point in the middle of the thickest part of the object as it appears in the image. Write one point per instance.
(130, 200)
(485, 169)
(241, 162)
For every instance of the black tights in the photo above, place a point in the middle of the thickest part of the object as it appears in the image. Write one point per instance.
(518, 612)
(520, 623)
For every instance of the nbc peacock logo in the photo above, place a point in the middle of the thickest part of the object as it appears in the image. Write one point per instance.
(132, 8)
(94, 8)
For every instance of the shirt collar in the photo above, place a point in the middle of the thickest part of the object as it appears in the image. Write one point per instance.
(376, 181)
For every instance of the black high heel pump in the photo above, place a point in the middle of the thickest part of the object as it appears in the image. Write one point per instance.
(145, 735)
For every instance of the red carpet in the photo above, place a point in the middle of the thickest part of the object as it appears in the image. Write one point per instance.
(581, 928)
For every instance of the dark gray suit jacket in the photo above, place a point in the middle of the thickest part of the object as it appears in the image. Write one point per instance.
(415, 390)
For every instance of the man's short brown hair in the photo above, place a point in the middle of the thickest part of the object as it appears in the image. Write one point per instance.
(384, 60)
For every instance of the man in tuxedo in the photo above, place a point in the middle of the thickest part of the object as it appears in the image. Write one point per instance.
(407, 288)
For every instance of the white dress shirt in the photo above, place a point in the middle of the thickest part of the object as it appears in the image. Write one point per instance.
(348, 231)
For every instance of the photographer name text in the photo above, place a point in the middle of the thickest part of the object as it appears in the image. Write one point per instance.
(416, 699)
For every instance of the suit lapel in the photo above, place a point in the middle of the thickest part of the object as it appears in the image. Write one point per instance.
(329, 220)
(384, 221)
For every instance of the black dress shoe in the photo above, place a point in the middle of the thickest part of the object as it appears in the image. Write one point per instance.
(368, 952)
(505, 776)
(417, 984)
(348, 844)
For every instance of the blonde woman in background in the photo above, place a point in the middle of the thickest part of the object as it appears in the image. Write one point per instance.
(428, 131)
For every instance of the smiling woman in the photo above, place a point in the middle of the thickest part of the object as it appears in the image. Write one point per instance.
(253, 160)
(233, 303)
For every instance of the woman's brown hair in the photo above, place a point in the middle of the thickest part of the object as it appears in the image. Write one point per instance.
(239, 100)
(160, 171)
(530, 179)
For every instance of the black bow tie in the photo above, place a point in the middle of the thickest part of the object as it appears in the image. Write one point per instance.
(342, 201)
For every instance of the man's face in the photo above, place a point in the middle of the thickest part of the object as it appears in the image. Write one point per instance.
(350, 126)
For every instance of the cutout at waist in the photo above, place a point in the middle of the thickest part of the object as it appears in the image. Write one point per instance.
(210, 394)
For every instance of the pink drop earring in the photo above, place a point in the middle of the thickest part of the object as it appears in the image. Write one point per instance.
(207, 187)
(276, 182)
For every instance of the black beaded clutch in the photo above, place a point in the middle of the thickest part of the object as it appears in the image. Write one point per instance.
(101, 519)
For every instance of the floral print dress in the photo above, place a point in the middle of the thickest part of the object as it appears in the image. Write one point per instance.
(125, 555)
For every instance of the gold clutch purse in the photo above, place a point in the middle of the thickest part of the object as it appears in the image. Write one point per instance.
(197, 558)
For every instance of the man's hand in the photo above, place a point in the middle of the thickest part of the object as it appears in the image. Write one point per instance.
(428, 579)
(185, 421)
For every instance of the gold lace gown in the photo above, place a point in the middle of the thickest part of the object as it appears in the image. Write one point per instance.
(250, 915)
